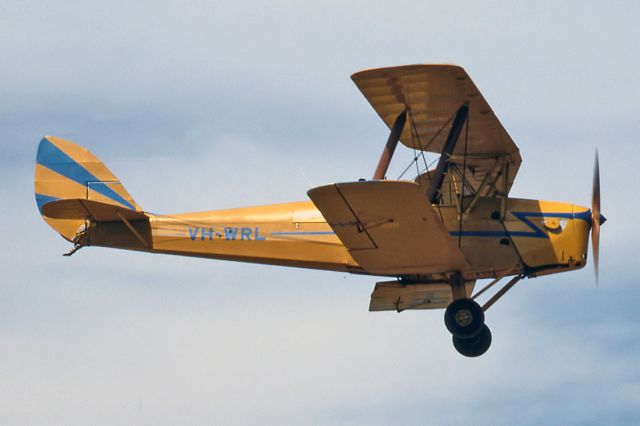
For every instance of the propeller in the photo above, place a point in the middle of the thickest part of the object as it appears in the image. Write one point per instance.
(596, 218)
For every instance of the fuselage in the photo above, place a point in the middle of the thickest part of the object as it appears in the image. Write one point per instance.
(519, 236)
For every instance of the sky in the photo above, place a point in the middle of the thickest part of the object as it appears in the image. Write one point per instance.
(200, 105)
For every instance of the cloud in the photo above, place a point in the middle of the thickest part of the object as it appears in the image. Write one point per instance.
(199, 105)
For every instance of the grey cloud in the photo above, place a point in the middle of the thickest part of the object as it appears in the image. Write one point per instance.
(199, 105)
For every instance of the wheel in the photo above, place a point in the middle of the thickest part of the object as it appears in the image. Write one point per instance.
(464, 318)
(474, 346)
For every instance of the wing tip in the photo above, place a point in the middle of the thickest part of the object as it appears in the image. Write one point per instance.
(367, 72)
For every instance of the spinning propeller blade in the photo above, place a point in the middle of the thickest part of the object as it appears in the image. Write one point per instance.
(596, 219)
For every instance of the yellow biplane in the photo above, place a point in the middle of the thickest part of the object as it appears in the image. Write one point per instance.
(433, 236)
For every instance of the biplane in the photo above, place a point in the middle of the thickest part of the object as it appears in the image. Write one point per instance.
(431, 237)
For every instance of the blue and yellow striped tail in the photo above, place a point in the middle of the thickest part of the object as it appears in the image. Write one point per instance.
(66, 171)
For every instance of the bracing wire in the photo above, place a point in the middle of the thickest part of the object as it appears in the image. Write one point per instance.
(464, 173)
(414, 132)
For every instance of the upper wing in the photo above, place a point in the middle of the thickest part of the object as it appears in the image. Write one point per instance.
(388, 227)
(432, 94)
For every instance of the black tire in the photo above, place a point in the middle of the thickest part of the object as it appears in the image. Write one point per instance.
(474, 346)
(464, 318)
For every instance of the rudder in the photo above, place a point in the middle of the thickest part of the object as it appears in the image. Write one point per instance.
(67, 171)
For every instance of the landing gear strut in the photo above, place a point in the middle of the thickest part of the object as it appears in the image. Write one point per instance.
(464, 317)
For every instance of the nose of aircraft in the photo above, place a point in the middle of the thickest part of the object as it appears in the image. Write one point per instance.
(602, 219)
(591, 216)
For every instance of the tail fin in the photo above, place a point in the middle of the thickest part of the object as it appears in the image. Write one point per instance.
(66, 171)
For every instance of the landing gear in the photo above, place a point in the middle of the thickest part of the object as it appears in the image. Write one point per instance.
(473, 346)
(464, 319)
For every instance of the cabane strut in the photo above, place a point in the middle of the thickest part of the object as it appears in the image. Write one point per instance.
(390, 147)
(443, 163)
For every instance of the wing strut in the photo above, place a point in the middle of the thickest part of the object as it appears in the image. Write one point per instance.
(392, 142)
(443, 164)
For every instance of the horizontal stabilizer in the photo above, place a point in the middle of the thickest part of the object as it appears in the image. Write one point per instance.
(89, 209)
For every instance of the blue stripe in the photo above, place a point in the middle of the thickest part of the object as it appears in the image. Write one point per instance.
(537, 232)
(585, 215)
(499, 234)
(524, 218)
(44, 199)
(480, 233)
(305, 233)
(53, 158)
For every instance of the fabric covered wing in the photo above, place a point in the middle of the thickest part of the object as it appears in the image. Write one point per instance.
(388, 227)
(432, 94)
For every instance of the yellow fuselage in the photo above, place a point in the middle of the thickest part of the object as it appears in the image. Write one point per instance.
(529, 236)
